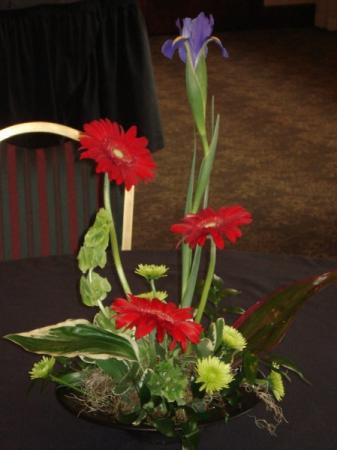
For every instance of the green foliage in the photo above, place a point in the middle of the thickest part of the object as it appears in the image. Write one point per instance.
(281, 361)
(206, 168)
(130, 378)
(169, 382)
(186, 251)
(77, 338)
(216, 333)
(115, 368)
(192, 279)
(93, 251)
(90, 257)
(190, 433)
(217, 293)
(98, 233)
(94, 288)
(106, 320)
(213, 341)
(205, 347)
(72, 379)
(250, 366)
(165, 426)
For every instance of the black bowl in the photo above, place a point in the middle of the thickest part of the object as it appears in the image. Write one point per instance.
(146, 433)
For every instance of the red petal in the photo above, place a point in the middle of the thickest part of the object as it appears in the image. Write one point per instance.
(144, 327)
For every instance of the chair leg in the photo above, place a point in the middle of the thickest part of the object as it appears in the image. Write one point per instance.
(128, 219)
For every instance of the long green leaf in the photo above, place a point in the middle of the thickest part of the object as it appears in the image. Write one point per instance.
(206, 168)
(286, 363)
(192, 280)
(186, 252)
(76, 338)
(196, 87)
(190, 189)
(266, 322)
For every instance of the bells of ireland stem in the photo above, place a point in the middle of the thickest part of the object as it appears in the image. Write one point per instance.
(196, 85)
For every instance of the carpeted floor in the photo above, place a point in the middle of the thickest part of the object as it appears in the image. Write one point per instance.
(277, 155)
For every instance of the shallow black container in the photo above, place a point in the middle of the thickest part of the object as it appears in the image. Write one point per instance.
(146, 433)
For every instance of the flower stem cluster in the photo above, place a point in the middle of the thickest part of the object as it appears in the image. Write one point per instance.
(199, 225)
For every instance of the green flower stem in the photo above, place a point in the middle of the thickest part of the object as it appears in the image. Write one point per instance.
(204, 142)
(113, 238)
(192, 280)
(153, 287)
(101, 307)
(208, 282)
(186, 267)
(63, 383)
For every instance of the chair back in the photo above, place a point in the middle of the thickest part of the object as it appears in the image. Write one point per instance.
(47, 197)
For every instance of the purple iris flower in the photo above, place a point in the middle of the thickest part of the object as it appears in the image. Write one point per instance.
(197, 33)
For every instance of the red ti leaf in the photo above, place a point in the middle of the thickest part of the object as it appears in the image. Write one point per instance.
(265, 323)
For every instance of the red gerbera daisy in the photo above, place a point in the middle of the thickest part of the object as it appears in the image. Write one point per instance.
(121, 154)
(217, 224)
(147, 315)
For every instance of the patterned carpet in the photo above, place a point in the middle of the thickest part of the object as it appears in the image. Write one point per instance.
(277, 154)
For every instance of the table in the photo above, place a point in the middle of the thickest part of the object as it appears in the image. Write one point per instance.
(41, 291)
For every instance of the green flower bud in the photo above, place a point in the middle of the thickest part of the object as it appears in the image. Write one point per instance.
(42, 368)
(151, 271)
(276, 384)
(233, 339)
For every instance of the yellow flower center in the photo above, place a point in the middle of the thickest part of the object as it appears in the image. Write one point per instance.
(212, 375)
(210, 224)
(117, 153)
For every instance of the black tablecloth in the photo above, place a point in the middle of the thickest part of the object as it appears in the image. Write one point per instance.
(38, 292)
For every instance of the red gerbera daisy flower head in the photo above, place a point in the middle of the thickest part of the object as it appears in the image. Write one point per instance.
(121, 154)
(166, 318)
(195, 228)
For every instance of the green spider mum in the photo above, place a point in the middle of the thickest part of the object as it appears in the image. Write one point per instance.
(151, 271)
(160, 295)
(42, 368)
(276, 384)
(233, 339)
(213, 374)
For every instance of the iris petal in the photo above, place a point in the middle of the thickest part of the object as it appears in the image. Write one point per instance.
(197, 33)
(217, 41)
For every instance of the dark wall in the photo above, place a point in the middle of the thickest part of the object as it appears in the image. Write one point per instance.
(161, 15)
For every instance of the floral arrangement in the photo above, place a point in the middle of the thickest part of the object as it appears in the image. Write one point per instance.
(146, 359)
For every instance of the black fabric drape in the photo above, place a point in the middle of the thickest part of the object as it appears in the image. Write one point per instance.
(75, 62)
(18, 4)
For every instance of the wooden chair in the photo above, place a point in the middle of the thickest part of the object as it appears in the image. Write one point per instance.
(45, 192)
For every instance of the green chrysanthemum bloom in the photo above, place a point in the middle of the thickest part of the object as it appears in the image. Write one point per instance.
(276, 384)
(160, 295)
(42, 368)
(233, 338)
(213, 374)
(151, 271)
